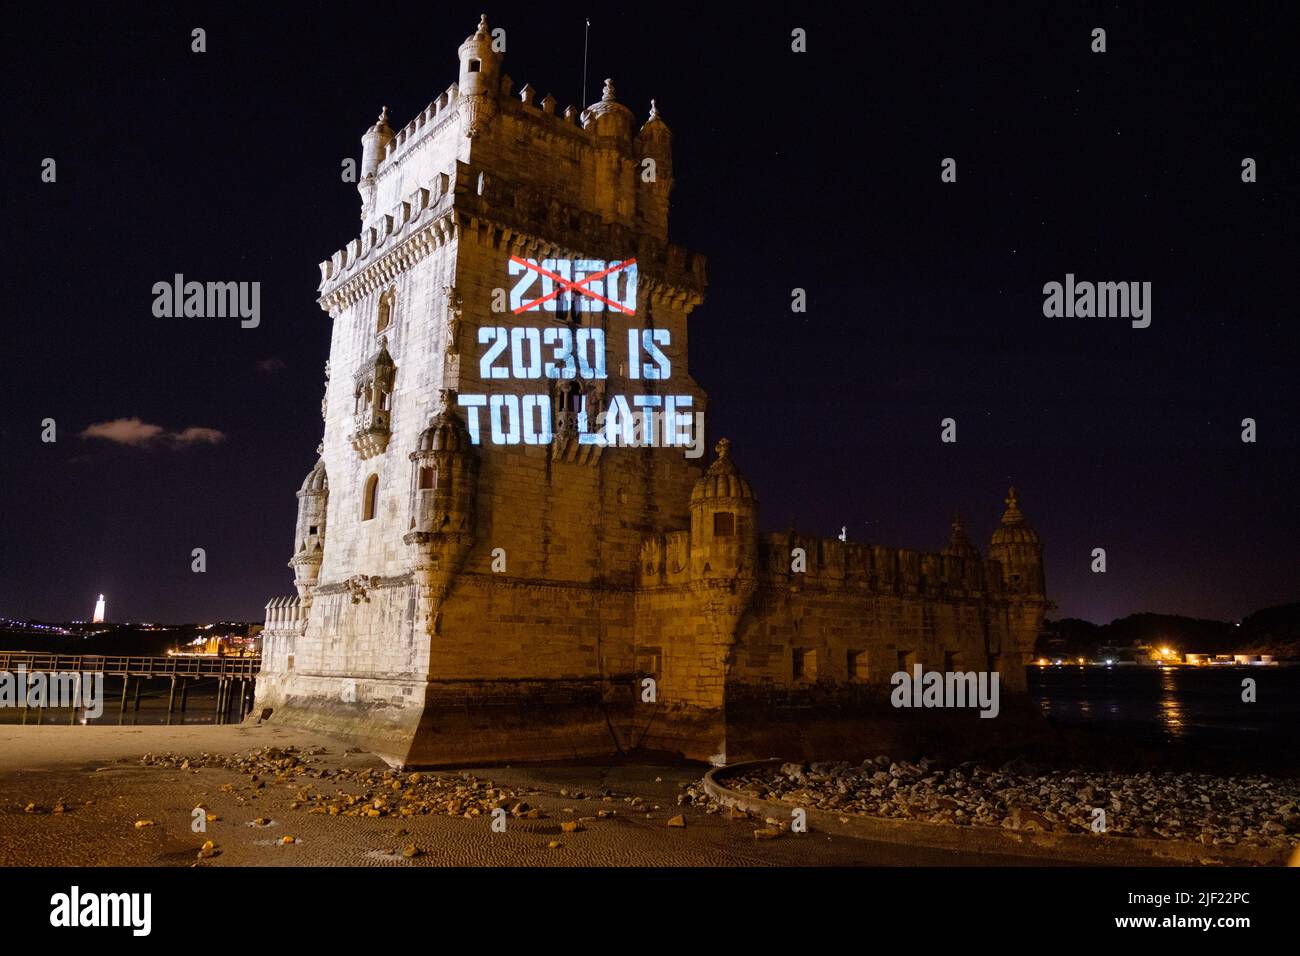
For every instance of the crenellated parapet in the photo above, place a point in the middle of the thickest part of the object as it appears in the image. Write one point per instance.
(533, 222)
(411, 230)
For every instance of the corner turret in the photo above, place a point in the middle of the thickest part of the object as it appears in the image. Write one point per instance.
(480, 79)
(1017, 547)
(309, 535)
(373, 144)
(444, 486)
(724, 514)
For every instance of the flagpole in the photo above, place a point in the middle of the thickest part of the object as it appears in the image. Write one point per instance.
(586, 33)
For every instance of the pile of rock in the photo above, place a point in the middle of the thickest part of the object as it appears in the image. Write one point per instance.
(358, 792)
(1250, 811)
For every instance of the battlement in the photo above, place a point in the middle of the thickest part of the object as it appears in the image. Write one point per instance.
(796, 562)
(835, 564)
(438, 115)
(527, 213)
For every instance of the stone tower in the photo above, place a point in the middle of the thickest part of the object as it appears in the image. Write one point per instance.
(517, 553)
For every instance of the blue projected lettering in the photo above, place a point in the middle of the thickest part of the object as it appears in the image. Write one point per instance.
(571, 352)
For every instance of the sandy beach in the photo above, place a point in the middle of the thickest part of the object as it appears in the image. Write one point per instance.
(621, 811)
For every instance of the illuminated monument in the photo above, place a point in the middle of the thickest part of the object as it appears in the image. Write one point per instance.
(98, 617)
(509, 548)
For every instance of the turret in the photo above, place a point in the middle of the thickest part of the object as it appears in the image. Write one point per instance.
(373, 144)
(616, 174)
(724, 514)
(444, 486)
(1017, 548)
(480, 80)
(309, 535)
(959, 545)
(654, 174)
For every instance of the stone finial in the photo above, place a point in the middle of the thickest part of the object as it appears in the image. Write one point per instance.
(723, 448)
(528, 94)
(444, 399)
(654, 110)
(570, 114)
(482, 30)
(548, 104)
(956, 522)
(1012, 515)
(608, 95)
(383, 118)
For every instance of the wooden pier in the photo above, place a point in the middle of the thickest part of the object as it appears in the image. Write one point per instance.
(233, 703)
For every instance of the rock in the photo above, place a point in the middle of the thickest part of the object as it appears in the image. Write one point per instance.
(554, 845)
(286, 840)
(140, 824)
(766, 833)
(677, 821)
(571, 826)
(410, 851)
(208, 850)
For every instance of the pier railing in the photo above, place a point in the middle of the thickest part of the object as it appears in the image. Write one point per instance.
(132, 666)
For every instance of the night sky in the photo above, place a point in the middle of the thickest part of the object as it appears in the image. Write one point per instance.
(818, 170)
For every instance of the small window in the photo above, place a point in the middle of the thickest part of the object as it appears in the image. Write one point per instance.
(312, 529)
(370, 498)
(724, 524)
(804, 664)
(427, 478)
(475, 66)
(858, 666)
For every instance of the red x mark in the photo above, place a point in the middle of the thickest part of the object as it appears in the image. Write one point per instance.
(573, 286)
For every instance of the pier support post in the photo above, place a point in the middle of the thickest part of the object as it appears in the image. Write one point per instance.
(171, 699)
(221, 690)
(138, 682)
(121, 711)
(185, 690)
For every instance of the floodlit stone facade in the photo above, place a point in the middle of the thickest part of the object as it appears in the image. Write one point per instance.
(461, 600)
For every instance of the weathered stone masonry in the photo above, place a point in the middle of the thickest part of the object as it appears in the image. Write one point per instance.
(620, 563)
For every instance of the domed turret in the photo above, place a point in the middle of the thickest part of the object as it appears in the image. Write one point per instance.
(724, 511)
(444, 487)
(611, 123)
(1017, 547)
(444, 474)
(309, 536)
(480, 79)
(607, 117)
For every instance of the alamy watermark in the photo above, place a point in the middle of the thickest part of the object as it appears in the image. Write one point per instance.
(209, 300)
(58, 689)
(1086, 300)
(946, 689)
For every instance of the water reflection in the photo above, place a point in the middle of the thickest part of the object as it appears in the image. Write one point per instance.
(1171, 710)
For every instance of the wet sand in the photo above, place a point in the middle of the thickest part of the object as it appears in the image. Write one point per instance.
(97, 775)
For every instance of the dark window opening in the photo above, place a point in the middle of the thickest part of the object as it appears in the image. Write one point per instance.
(724, 524)
(475, 66)
(370, 498)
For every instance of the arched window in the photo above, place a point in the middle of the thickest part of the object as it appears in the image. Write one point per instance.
(370, 499)
(385, 319)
